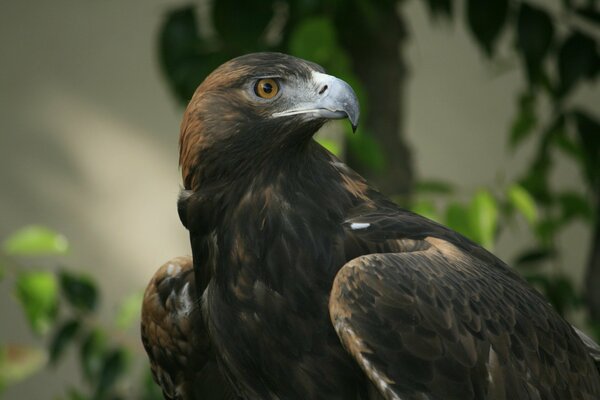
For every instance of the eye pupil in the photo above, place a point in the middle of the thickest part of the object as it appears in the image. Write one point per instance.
(267, 87)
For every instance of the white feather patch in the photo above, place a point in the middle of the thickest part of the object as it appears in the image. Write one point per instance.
(187, 304)
(173, 269)
(355, 226)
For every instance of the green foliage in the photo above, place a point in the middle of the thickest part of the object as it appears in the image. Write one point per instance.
(38, 294)
(80, 291)
(60, 306)
(114, 366)
(558, 289)
(315, 39)
(535, 32)
(92, 349)
(367, 151)
(574, 205)
(523, 202)
(186, 58)
(525, 121)
(555, 61)
(588, 129)
(577, 59)
(434, 187)
(331, 145)
(63, 337)
(486, 18)
(533, 257)
(129, 310)
(241, 24)
(589, 12)
(477, 219)
(440, 8)
(458, 218)
(427, 209)
(483, 218)
(35, 241)
(17, 362)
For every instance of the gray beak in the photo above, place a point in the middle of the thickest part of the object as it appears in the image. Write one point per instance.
(328, 97)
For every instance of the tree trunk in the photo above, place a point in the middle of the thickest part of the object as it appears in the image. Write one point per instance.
(375, 52)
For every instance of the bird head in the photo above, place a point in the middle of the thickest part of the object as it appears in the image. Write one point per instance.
(258, 103)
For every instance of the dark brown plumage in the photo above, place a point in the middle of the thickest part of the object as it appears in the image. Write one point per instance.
(313, 285)
(175, 337)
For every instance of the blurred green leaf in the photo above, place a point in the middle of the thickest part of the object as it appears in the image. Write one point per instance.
(371, 12)
(75, 394)
(588, 130)
(546, 229)
(567, 4)
(485, 19)
(179, 36)
(575, 205)
(526, 119)
(457, 218)
(92, 354)
(536, 179)
(567, 145)
(535, 33)
(558, 289)
(61, 339)
(38, 294)
(79, 290)
(150, 390)
(590, 13)
(367, 151)
(2, 271)
(434, 187)
(129, 310)
(331, 146)
(18, 362)
(426, 209)
(113, 368)
(534, 257)
(594, 326)
(315, 39)
(576, 60)
(440, 8)
(242, 24)
(521, 200)
(186, 59)
(35, 240)
(483, 216)
(305, 7)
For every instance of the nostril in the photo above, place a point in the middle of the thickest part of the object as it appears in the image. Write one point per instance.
(323, 89)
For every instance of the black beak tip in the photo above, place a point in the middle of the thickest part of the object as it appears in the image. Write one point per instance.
(352, 112)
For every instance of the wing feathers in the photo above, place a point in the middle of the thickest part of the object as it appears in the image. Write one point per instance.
(438, 323)
(175, 338)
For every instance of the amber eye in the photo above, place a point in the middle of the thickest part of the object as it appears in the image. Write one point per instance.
(266, 88)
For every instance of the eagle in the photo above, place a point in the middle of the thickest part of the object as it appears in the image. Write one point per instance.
(305, 282)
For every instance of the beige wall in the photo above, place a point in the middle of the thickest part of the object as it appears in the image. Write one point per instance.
(88, 138)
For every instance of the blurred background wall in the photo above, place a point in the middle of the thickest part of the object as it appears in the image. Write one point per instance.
(88, 140)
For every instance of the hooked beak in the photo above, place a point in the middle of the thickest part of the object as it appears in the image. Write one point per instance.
(328, 97)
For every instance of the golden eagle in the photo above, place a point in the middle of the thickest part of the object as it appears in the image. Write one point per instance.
(307, 283)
